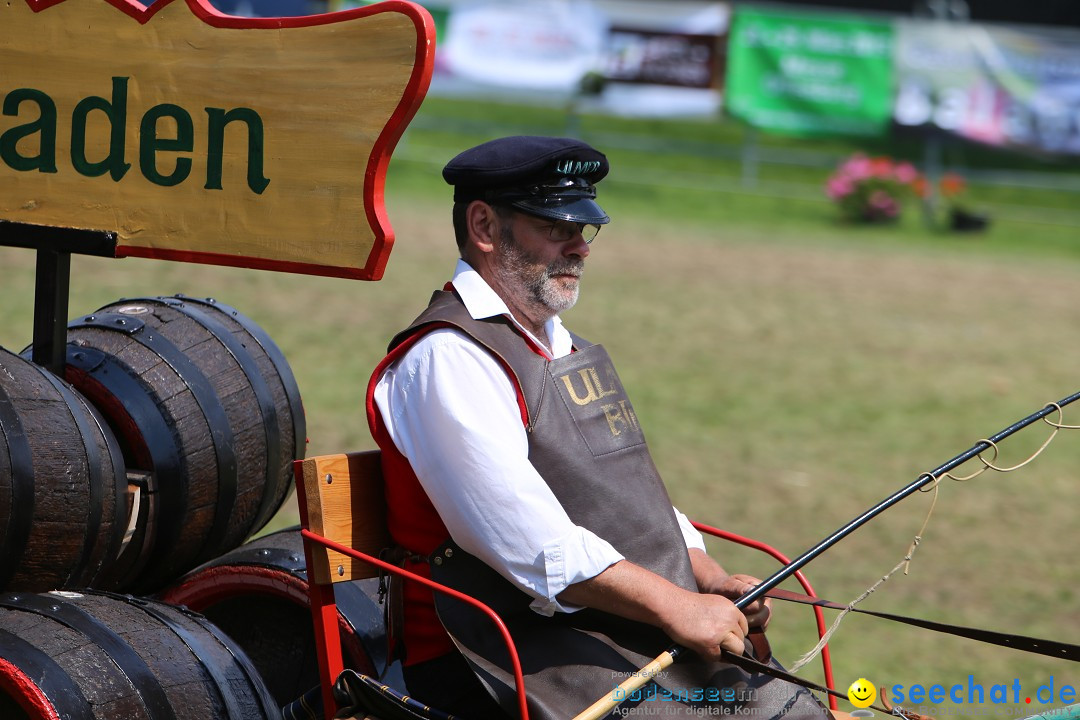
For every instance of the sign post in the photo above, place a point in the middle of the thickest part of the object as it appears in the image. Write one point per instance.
(54, 247)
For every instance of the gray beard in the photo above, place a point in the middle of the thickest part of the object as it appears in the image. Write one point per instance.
(540, 285)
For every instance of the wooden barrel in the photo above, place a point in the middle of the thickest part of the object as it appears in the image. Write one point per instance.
(263, 584)
(204, 401)
(284, 391)
(63, 506)
(96, 656)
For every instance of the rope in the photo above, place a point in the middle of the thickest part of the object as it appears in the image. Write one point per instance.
(989, 464)
(905, 563)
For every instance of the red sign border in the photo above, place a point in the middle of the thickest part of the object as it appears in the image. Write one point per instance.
(375, 173)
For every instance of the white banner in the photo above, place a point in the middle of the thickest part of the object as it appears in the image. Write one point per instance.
(541, 45)
(1000, 86)
(543, 50)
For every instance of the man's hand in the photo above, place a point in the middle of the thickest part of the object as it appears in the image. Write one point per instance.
(712, 578)
(705, 624)
(735, 586)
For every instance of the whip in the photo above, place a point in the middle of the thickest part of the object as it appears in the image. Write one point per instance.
(930, 478)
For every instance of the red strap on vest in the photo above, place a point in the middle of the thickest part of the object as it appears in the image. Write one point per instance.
(375, 422)
(413, 522)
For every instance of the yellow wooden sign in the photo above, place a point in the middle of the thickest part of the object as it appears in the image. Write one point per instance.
(196, 136)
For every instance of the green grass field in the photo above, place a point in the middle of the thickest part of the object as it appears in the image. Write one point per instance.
(789, 371)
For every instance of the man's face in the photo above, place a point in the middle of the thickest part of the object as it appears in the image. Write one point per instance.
(543, 271)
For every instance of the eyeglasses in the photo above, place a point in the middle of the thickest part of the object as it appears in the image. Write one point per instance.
(565, 231)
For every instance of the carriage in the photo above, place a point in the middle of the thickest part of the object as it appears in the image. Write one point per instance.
(320, 583)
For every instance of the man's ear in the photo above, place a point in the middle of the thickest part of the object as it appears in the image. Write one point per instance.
(482, 223)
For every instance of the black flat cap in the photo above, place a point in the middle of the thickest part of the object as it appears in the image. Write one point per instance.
(545, 176)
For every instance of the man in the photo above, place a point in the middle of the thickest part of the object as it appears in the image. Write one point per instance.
(517, 472)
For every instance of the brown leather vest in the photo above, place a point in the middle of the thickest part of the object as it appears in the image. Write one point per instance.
(585, 441)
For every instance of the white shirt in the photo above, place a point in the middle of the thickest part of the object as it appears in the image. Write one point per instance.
(452, 411)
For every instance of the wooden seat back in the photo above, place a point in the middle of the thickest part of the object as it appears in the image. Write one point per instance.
(343, 501)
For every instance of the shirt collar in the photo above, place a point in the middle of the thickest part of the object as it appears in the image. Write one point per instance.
(482, 302)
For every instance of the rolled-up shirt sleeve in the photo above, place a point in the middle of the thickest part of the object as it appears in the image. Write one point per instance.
(452, 410)
(691, 536)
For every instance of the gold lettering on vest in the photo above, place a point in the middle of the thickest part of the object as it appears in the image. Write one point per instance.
(601, 392)
(594, 390)
(619, 414)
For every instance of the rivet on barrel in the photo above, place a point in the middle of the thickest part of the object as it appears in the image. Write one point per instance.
(329, 478)
(340, 570)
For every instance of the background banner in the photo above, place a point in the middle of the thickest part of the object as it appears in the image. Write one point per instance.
(809, 74)
(663, 58)
(1007, 87)
(543, 45)
(608, 56)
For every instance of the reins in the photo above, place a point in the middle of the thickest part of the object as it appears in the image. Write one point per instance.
(1049, 648)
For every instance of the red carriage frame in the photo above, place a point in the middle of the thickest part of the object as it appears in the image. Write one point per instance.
(340, 503)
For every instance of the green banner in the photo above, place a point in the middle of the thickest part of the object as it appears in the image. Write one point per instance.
(810, 74)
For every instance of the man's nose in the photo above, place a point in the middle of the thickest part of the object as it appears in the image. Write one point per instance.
(576, 246)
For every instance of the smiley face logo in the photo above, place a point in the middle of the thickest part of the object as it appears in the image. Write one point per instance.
(861, 693)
